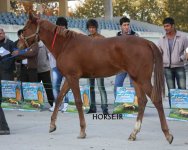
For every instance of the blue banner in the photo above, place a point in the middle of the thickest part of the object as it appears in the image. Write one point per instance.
(85, 95)
(126, 101)
(179, 104)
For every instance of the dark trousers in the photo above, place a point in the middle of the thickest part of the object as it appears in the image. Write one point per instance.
(100, 83)
(28, 74)
(3, 122)
(5, 75)
(173, 75)
(46, 79)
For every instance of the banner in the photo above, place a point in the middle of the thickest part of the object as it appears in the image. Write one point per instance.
(126, 101)
(33, 94)
(11, 94)
(179, 104)
(85, 95)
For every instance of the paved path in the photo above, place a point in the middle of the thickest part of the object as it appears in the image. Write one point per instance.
(29, 131)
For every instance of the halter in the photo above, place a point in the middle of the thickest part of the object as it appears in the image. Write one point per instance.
(36, 34)
(57, 29)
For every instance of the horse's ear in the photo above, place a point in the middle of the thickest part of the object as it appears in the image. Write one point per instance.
(38, 15)
(32, 17)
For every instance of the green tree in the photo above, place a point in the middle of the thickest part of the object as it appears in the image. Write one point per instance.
(90, 9)
(143, 10)
(178, 9)
(19, 7)
(120, 7)
(152, 11)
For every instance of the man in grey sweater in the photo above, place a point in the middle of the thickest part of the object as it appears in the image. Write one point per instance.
(172, 46)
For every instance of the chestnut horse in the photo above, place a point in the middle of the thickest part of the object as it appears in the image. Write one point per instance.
(79, 56)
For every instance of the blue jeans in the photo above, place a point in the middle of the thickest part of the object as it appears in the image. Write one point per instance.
(175, 74)
(56, 82)
(119, 81)
(102, 90)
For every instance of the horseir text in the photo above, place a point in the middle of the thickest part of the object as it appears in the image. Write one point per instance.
(107, 116)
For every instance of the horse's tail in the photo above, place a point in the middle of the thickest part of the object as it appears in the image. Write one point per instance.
(158, 90)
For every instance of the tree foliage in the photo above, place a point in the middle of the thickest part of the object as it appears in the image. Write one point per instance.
(151, 11)
(46, 8)
(90, 9)
(144, 10)
(178, 9)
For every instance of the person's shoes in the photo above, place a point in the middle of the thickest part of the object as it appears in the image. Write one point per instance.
(65, 106)
(4, 132)
(53, 107)
(91, 111)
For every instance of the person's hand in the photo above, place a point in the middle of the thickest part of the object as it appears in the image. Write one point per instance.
(14, 53)
(186, 53)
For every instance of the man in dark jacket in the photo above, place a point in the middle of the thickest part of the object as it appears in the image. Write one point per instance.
(6, 67)
(6, 73)
(125, 30)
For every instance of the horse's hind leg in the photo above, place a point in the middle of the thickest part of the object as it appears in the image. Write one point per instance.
(142, 101)
(159, 106)
(74, 85)
(164, 125)
(59, 100)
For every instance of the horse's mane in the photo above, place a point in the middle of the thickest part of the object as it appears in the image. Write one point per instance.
(61, 31)
(67, 33)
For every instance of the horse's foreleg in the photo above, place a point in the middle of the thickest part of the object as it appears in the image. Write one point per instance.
(59, 100)
(74, 85)
(164, 125)
(142, 101)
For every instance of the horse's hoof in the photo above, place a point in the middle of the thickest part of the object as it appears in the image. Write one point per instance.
(132, 137)
(82, 136)
(52, 129)
(170, 139)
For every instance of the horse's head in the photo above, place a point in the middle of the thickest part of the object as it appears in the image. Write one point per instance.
(30, 32)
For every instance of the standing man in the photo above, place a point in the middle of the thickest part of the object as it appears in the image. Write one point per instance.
(125, 30)
(92, 27)
(56, 75)
(18, 61)
(6, 73)
(43, 69)
(28, 63)
(172, 46)
(6, 67)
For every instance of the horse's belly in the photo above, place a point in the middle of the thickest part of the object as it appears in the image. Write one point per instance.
(101, 72)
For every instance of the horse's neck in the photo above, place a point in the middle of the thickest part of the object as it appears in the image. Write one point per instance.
(46, 34)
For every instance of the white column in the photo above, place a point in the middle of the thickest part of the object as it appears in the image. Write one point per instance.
(108, 9)
(63, 8)
(5, 6)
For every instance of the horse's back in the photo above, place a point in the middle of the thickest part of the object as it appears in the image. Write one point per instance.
(108, 56)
